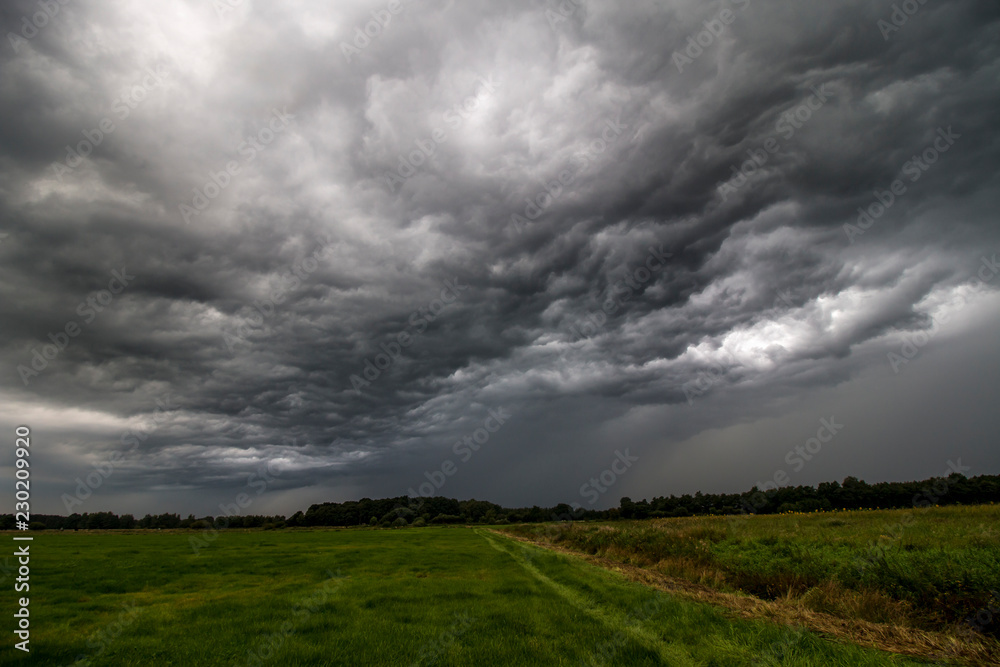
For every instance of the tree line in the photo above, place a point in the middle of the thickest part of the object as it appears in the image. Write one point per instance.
(852, 493)
(111, 521)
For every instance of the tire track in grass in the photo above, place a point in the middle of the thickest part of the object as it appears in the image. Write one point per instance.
(613, 620)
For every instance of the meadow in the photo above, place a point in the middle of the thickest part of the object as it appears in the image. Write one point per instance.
(440, 595)
(919, 581)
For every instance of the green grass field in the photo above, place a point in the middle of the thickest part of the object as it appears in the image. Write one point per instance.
(927, 568)
(436, 595)
(917, 571)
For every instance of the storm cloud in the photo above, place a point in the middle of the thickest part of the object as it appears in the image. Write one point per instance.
(331, 240)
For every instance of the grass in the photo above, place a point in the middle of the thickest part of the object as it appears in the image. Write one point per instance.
(436, 595)
(920, 570)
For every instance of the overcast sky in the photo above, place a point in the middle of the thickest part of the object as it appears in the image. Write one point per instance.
(495, 247)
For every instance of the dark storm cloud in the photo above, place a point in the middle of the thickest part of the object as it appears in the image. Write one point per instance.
(589, 215)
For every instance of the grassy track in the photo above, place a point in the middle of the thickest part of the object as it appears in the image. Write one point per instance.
(917, 574)
(442, 595)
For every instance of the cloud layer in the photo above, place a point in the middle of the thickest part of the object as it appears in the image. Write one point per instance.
(332, 239)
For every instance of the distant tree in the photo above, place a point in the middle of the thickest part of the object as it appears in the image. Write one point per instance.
(166, 521)
(627, 508)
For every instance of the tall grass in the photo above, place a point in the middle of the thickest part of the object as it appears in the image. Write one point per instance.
(929, 568)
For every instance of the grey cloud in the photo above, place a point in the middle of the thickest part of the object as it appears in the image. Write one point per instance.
(765, 304)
